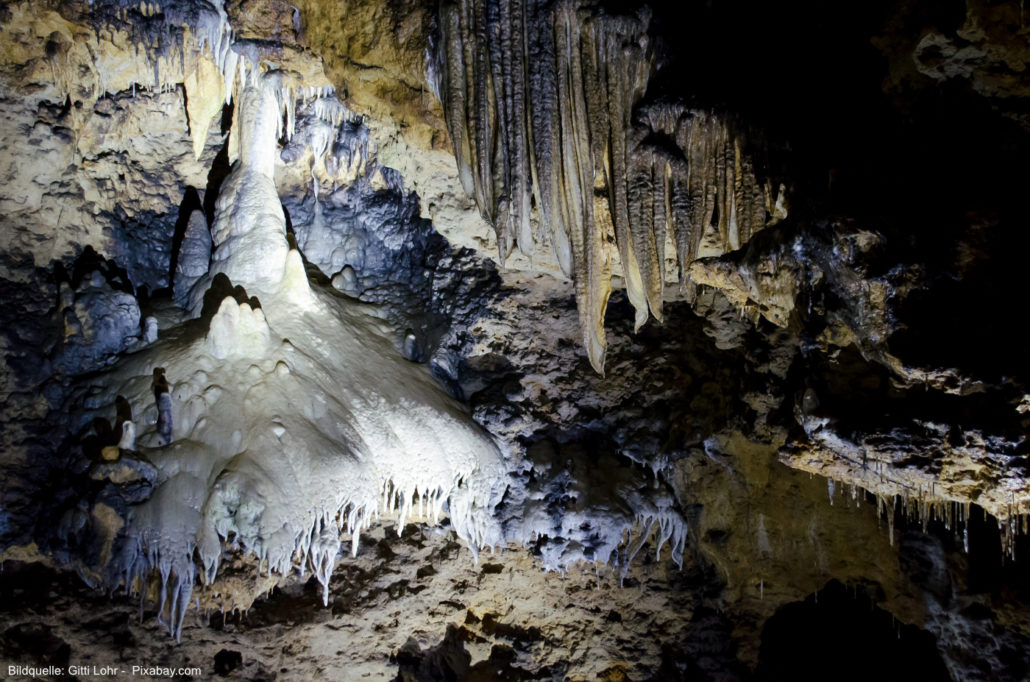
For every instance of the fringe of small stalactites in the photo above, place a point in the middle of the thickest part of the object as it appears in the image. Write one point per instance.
(174, 35)
(341, 145)
(316, 548)
(169, 37)
(619, 544)
(142, 556)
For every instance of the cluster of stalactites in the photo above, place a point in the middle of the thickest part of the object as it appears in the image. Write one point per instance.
(329, 117)
(923, 506)
(339, 142)
(323, 103)
(316, 548)
(542, 104)
(168, 38)
(192, 43)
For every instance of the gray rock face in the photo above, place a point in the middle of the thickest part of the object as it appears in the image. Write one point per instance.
(135, 162)
(100, 323)
(364, 233)
(29, 331)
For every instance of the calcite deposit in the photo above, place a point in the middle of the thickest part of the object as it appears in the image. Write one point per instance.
(545, 107)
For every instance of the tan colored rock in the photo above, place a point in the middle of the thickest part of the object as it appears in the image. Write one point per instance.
(767, 291)
(67, 170)
(989, 53)
(375, 53)
(264, 19)
(205, 90)
(111, 453)
(106, 526)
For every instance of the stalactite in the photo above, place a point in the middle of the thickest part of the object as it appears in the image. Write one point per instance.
(544, 102)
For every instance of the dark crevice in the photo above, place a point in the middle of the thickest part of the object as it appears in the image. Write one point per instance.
(840, 633)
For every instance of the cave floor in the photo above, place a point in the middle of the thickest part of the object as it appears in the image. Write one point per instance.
(417, 606)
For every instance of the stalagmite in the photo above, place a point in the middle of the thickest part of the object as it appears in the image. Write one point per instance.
(164, 406)
(249, 232)
(194, 257)
(128, 439)
(150, 329)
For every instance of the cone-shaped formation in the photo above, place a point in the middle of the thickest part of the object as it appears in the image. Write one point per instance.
(542, 101)
(194, 257)
(286, 425)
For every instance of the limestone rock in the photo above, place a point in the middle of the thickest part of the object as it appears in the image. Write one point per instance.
(555, 88)
(102, 321)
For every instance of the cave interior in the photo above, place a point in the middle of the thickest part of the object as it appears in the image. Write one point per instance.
(514, 339)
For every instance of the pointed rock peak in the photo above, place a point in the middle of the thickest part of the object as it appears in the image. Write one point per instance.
(295, 281)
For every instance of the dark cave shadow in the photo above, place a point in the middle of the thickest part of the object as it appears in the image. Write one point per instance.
(839, 633)
(220, 169)
(220, 289)
(89, 261)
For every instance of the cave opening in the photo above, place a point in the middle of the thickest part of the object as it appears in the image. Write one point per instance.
(839, 632)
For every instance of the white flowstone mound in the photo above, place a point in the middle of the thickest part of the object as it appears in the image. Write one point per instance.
(287, 434)
(237, 330)
(289, 425)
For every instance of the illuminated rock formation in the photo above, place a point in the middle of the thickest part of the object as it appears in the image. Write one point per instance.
(543, 103)
(291, 366)
(275, 433)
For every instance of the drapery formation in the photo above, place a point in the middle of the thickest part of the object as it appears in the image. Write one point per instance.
(546, 107)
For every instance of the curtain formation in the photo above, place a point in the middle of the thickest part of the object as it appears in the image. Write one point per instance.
(547, 111)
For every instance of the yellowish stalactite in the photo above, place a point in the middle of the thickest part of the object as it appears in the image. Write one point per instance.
(205, 94)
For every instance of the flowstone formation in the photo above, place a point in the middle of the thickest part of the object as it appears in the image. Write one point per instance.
(270, 430)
